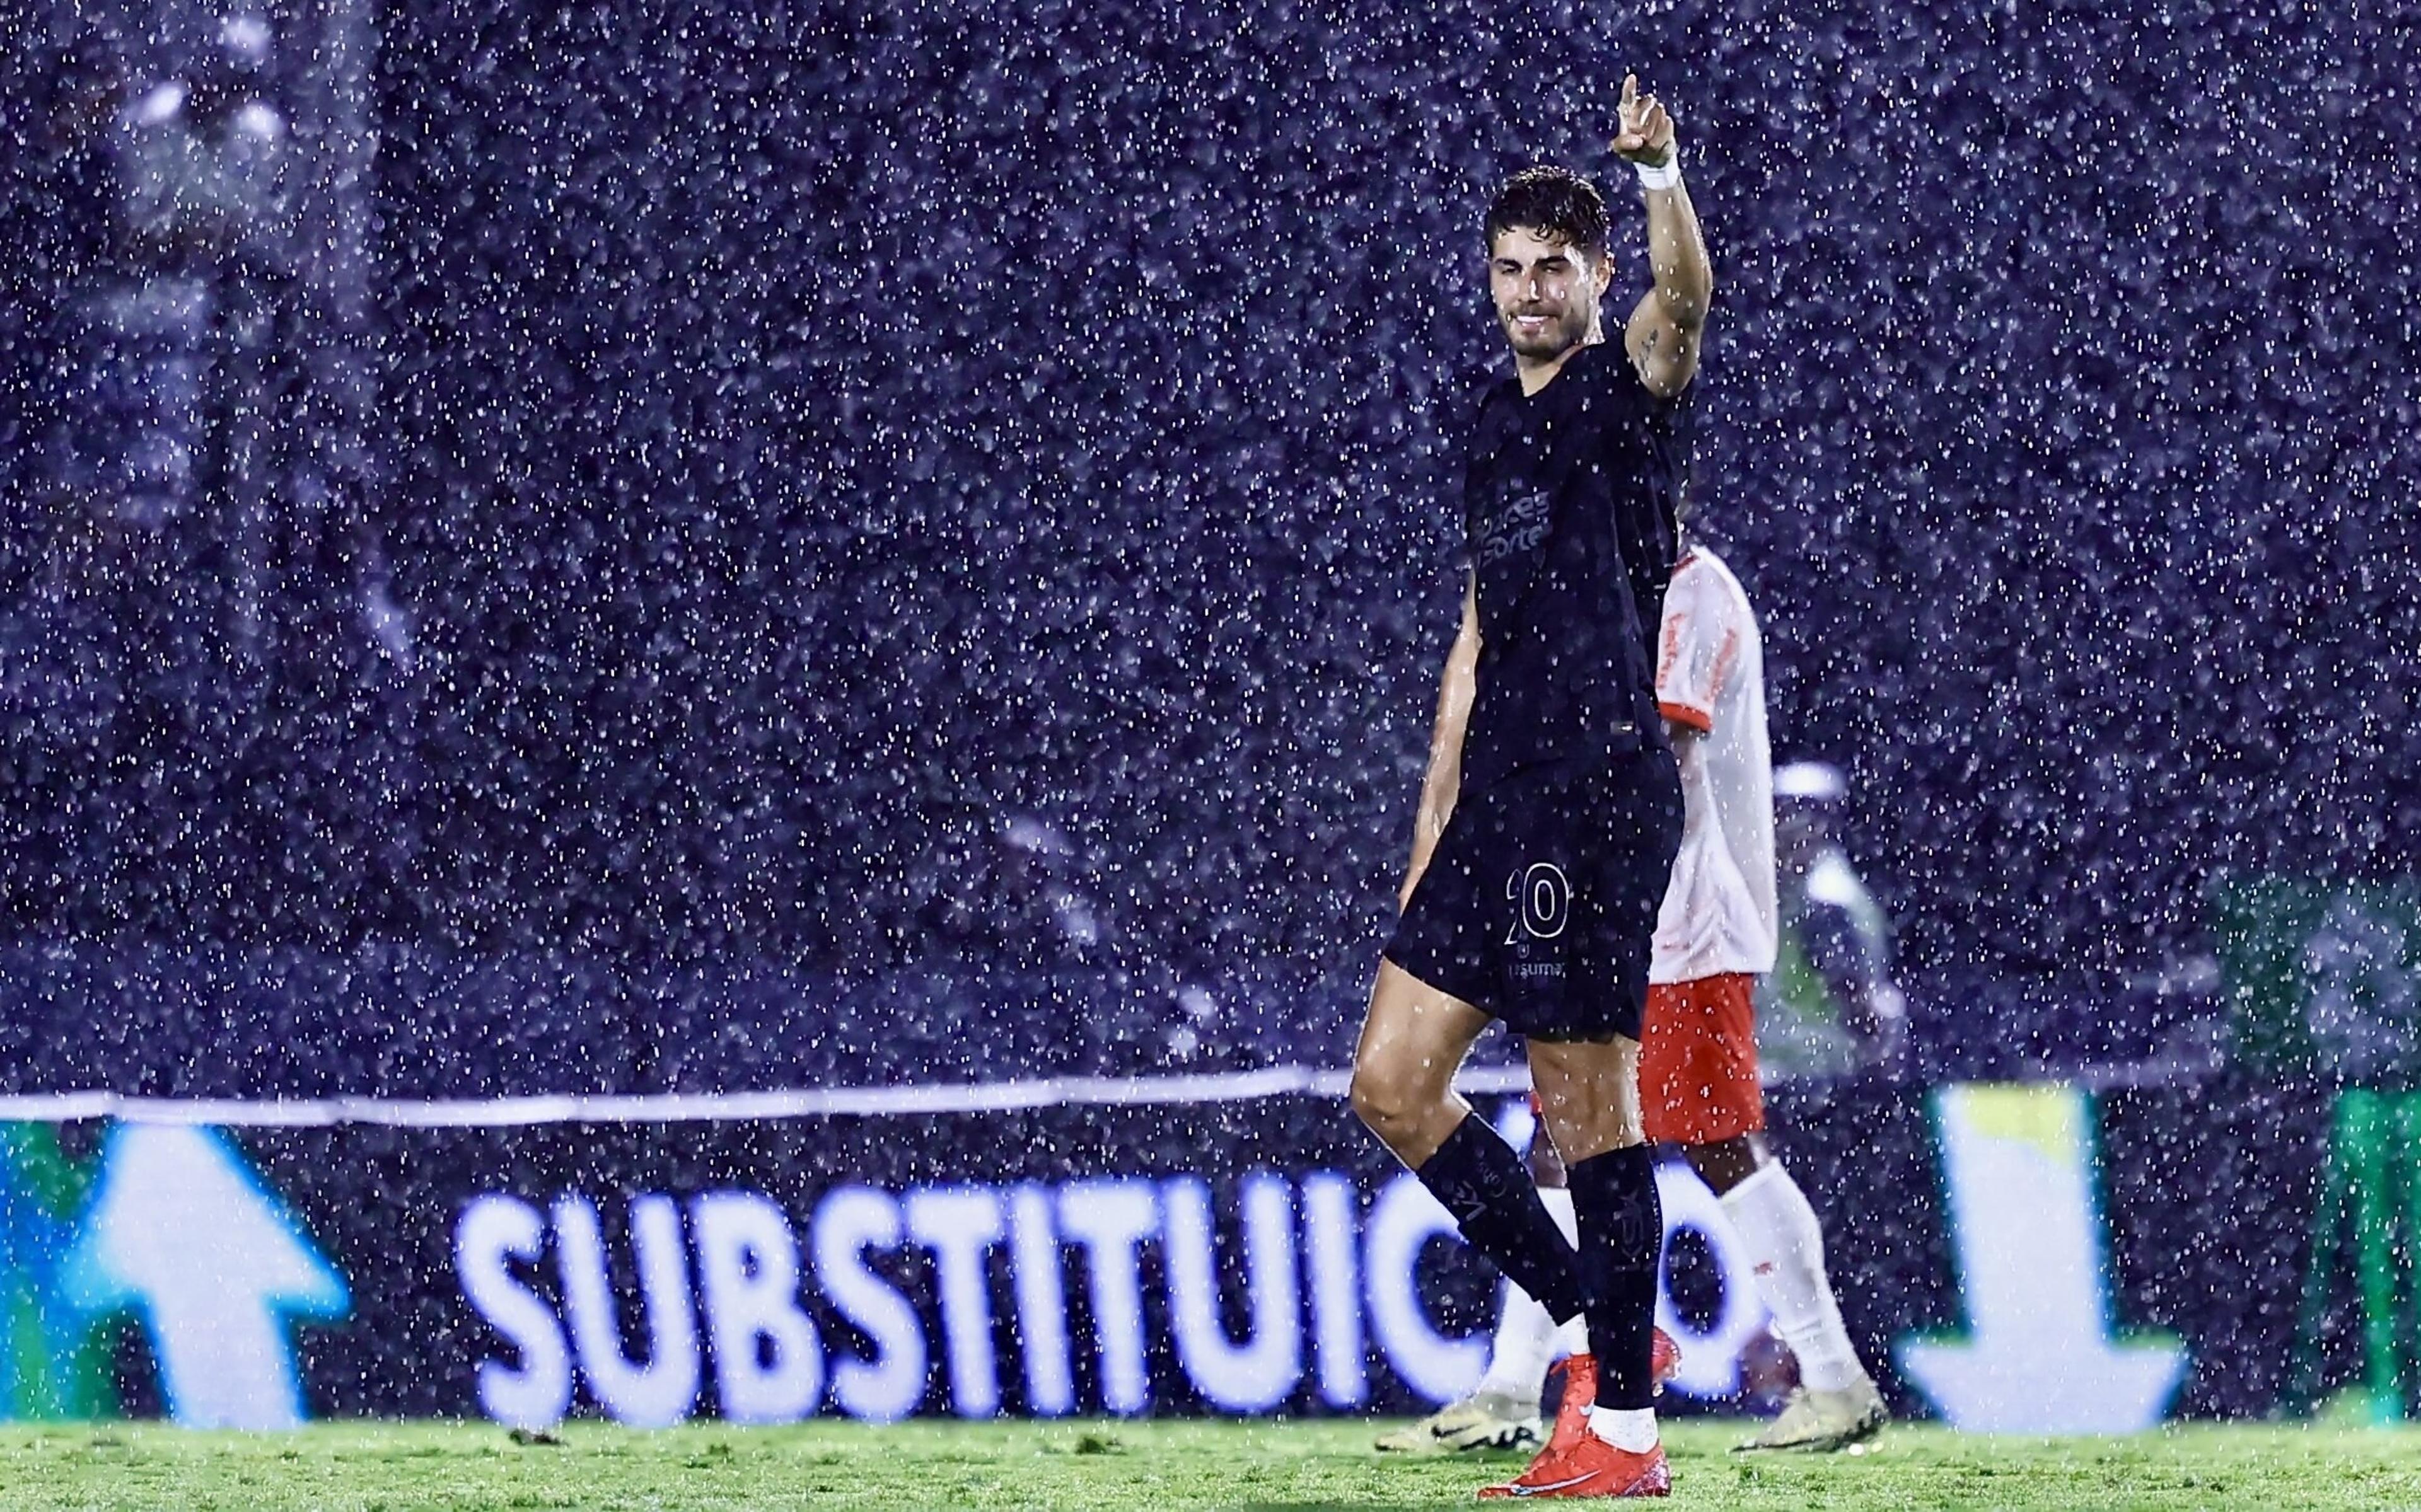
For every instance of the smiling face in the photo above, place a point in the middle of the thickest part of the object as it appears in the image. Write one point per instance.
(1546, 291)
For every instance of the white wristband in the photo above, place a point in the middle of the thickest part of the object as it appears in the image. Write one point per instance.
(1664, 175)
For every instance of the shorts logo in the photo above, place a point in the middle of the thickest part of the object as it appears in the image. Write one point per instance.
(1545, 898)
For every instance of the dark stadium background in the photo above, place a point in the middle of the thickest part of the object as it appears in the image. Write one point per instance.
(919, 541)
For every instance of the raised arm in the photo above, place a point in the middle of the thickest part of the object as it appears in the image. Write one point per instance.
(1443, 783)
(1666, 326)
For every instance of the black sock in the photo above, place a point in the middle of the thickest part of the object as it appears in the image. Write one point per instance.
(1622, 1243)
(1496, 1203)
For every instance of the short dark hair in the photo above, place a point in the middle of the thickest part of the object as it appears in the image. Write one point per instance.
(1557, 203)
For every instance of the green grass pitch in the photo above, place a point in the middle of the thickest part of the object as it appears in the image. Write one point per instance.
(469, 1467)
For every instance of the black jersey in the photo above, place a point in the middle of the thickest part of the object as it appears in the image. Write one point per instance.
(1568, 508)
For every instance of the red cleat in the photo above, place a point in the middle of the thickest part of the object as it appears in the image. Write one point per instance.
(1576, 1462)
(1590, 1466)
(1663, 1358)
(1579, 1395)
(1580, 1386)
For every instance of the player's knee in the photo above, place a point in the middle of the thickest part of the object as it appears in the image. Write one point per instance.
(1372, 1099)
(1388, 1101)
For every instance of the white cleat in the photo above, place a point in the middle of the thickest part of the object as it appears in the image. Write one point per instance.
(1486, 1422)
(1821, 1421)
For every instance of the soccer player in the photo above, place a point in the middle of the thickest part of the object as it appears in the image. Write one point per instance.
(1716, 936)
(1552, 810)
(1715, 940)
(1828, 1008)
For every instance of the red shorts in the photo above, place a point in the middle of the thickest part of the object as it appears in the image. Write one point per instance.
(1697, 1061)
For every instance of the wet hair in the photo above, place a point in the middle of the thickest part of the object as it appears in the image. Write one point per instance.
(1558, 203)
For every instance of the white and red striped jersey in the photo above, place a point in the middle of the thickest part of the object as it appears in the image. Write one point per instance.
(1719, 911)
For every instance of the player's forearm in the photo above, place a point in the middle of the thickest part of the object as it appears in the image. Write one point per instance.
(1428, 825)
(1437, 793)
(1443, 783)
(1677, 256)
(1458, 687)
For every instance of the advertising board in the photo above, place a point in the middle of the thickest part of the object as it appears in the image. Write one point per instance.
(1154, 1251)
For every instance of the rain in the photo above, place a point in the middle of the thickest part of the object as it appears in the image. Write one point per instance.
(649, 549)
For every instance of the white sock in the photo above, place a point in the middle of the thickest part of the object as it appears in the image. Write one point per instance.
(1573, 1338)
(1632, 1430)
(1786, 1250)
(1559, 1201)
(1526, 1338)
(1516, 1361)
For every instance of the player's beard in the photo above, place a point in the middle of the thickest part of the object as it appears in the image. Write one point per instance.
(1553, 339)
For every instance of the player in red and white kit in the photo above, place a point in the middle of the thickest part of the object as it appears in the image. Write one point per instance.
(1715, 935)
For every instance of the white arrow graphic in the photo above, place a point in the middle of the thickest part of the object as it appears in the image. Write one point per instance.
(2039, 1357)
(180, 1228)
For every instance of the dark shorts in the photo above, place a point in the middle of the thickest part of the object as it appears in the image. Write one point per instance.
(1538, 906)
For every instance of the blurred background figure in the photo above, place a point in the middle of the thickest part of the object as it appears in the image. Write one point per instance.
(1829, 1008)
(167, 304)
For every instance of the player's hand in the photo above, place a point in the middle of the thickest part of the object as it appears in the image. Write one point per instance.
(1647, 129)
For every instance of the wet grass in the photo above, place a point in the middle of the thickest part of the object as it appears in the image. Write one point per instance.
(470, 1468)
